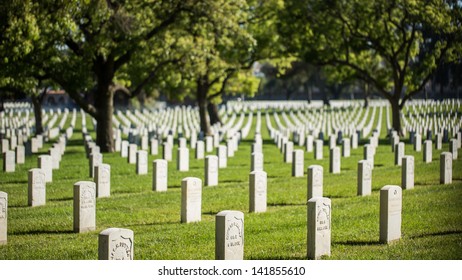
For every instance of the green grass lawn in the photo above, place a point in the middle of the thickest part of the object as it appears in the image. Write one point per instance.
(431, 218)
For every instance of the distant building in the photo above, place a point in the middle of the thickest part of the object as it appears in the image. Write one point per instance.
(57, 98)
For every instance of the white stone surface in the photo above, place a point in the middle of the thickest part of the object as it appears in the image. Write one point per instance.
(229, 235)
(103, 180)
(3, 218)
(44, 163)
(191, 200)
(9, 161)
(445, 168)
(427, 151)
(318, 153)
(84, 206)
(364, 178)
(257, 191)
(36, 187)
(334, 160)
(390, 213)
(211, 170)
(315, 181)
(298, 163)
(159, 175)
(141, 162)
(407, 172)
(319, 227)
(116, 244)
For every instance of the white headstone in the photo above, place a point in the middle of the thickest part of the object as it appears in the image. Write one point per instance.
(200, 154)
(9, 161)
(141, 162)
(230, 147)
(222, 156)
(115, 244)
(364, 177)
(95, 160)
(354, 140)
(144, 142)
(399, 153)
(84, 206)
(453, 146)
(256, 162)
(445, 168)
(315, 181)
(229, 235)
(55, 154)
(438, 141)
(159, 175)
(390, 213)
(298, 162)
(318, 149)
(407, 173)
(257, 191)
(124, 149)
(5, 145)
(288, 149)
(36, 187)
(167, 151)
(20, 154)
(428, 152)
(417, 142)
(103, 180)
(132, 149)
(211, 170)
(346, 147)
(256, 147)
(182, 160)
(209, 144)
(309, 143)
(334, 160)
(191, 199)
(368, 154)
(44, 163)
(154, 147)
(319, 227)
(193, 140)
(3, 217)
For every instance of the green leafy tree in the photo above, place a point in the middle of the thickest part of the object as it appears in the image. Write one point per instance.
(382, 41)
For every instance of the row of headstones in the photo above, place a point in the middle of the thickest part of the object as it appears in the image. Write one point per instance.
(229, 224)
(20, 146)
(328, 122)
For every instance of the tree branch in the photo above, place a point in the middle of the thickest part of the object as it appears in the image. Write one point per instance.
(151, 76)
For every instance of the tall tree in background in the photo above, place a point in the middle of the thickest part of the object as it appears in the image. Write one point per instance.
(381, 41)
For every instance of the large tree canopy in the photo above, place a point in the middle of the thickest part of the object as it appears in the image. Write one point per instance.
(386, 43)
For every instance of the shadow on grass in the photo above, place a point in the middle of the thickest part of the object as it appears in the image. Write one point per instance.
(231, 181)
(61, 199)
(358, 243)
(36, 232)
(282, 204)
(153, 224)
(430, 234)
(18, 206)
(210, 213)
(17, 182)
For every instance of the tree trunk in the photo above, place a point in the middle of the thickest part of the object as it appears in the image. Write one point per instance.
(366, 95)
(396, 114)
(37, 102)
(104, 131)
(213, 113)
(2, 108)
(201, 96)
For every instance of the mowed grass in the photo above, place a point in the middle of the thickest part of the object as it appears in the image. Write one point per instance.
(431, 218)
